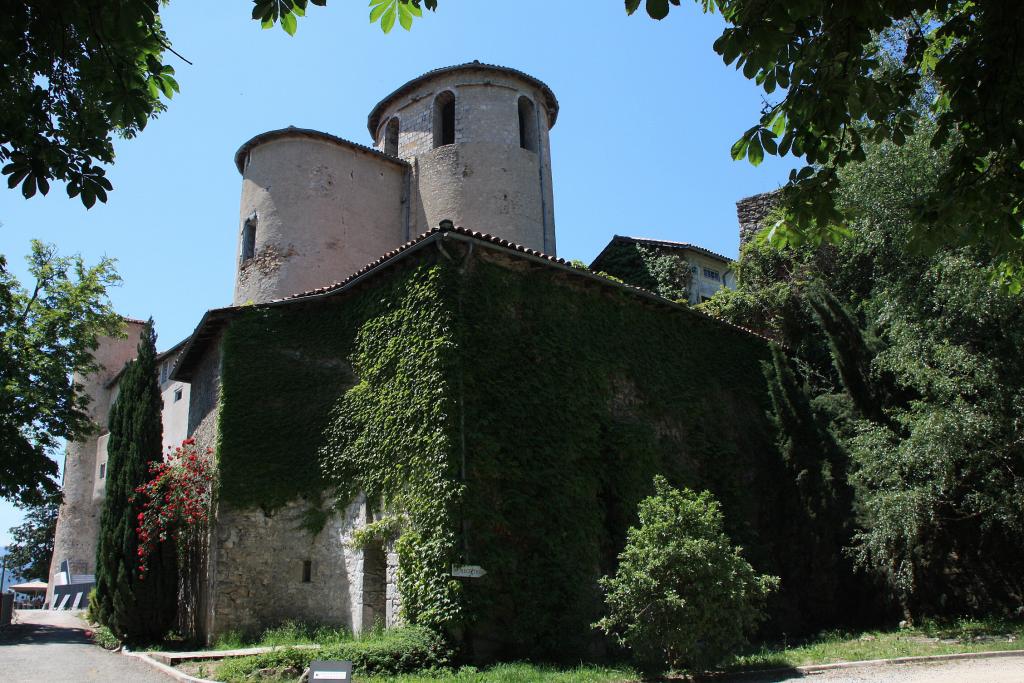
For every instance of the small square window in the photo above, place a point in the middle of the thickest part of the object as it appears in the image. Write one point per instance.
(307, 571)
(177, 394)
(103, 470)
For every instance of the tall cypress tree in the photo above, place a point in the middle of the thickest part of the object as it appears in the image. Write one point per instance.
(135, 607)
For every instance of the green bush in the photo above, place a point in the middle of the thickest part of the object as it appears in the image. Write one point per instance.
(102, 636)
(391, 652)
(683, 596)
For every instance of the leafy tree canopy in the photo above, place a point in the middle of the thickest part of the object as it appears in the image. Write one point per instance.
(47, 334)
(912, 364)
(32, 547)
(72, 74)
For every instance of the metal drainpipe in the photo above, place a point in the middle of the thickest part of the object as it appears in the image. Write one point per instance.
(461, 393)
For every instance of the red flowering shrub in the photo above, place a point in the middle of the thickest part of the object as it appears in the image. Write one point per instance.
(176, 501)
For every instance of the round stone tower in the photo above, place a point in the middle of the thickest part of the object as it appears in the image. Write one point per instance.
(465, 143)
(315, 208)
(476, 137)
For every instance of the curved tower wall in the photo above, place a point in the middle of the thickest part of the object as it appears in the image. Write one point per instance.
(320, 209)
(485, 180)
(78, 523)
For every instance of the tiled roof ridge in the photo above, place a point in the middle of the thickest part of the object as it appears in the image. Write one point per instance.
(373, 119)
(419, 238)
(292, 131)
(498, 241)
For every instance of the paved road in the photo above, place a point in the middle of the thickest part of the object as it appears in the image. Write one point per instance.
(51, 647)
(996, 670)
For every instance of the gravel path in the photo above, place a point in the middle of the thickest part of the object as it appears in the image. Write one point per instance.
(995, 670)
(49, 647)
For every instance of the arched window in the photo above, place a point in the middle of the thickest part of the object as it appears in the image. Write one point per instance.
(248, 240)
(527, 125)
(444, 119)
(391, 137)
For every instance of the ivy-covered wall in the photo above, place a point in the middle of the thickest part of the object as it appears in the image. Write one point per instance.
(575, 396)
(501, 413)
(656, 269)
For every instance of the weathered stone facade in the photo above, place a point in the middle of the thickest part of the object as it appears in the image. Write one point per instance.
(752, 211)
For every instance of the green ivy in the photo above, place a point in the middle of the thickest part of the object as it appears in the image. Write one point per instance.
(393, 434)
(661, 271)
(512, 417)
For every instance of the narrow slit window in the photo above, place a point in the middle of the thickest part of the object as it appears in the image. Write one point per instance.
(527, 125)
(391, 137)
(307, 571)
(103, 470)
(444, 119)
(177, 394)
(248, 240)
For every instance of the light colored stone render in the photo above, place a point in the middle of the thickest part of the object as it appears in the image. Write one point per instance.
(175, 396)
(78, 521)
(702, 287)
(251, 577)
(485, 180)
(322, 208)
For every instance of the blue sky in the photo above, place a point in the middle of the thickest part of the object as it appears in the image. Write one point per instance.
(641, 147)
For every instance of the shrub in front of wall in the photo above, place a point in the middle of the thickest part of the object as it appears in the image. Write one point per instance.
(395, 651)
(683, 597)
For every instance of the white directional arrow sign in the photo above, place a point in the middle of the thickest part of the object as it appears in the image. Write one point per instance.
(468, 571)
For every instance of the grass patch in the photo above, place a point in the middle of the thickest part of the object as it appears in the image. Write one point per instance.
(102, 636)
(931, 638)
(386, 652)
(515, 673)
(288, 633)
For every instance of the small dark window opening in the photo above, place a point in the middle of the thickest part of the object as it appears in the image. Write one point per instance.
(248, 240)
(307, 571)
(391, 137)
(527, 125)
(103, 470)
(177, 394)
(444, 119)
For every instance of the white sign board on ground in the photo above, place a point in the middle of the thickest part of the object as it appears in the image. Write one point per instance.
(468, 571)
(323, 670)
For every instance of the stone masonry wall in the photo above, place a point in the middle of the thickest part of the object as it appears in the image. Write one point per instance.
(484, 181)
(751, 212)
(260, 571)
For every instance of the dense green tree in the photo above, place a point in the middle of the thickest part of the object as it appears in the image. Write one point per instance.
(73, 73)
(135, 607)
(31, 548)
(47, 334)
(683, 595)
(912, 362)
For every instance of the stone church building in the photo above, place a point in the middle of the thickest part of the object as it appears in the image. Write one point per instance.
(410, 292)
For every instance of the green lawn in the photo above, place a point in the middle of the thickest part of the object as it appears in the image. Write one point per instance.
(930, 639)
(515, 673)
